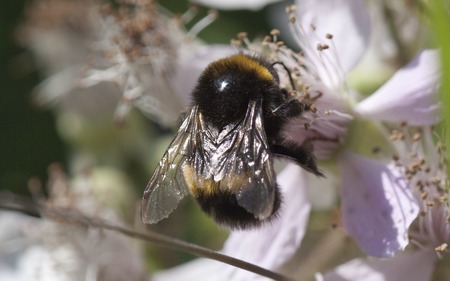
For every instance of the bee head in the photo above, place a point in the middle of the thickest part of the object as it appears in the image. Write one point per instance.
(226, 86)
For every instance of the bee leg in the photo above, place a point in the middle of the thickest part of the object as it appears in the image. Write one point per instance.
(302, 155)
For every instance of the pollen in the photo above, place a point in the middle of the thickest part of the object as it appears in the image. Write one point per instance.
(421, 161)
(430, 203)
(322, 47)
(424, 195)
(441, 248)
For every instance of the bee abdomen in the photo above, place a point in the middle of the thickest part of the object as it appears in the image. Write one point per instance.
(223, 207)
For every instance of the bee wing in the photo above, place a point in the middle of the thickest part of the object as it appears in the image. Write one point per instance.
(167, 185)
(244, 164)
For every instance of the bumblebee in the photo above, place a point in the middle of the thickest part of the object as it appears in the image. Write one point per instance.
(223, 152)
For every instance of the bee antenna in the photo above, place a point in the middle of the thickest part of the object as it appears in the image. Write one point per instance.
(288, 71)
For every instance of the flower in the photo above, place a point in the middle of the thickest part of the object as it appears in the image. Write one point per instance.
(45, 249)
(377, 206)
(124, 56)
(421, 163)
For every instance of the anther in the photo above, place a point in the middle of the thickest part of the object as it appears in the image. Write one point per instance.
(291, 9)
(443, 198)
(275, 32)
(322, 47)
(424, 195)
(441, 248)
(242, 35)
(236, 42)
(292, 19)
(416, 137)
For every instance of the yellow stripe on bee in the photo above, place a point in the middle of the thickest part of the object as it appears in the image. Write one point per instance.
(197, 185)
(207, 187)
(247, 64)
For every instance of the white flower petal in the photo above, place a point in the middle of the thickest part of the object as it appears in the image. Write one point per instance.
(327, 127)
(410, 95)
(414, 266)
(235, 4)
(322, 193)
(347, 20)
(377, 205)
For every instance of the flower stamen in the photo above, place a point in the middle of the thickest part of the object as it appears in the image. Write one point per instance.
(203, 23)
(422, 163)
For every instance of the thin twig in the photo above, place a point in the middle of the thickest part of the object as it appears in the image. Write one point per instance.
(70, 216)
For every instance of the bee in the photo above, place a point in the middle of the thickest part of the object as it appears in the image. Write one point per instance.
(223, 152)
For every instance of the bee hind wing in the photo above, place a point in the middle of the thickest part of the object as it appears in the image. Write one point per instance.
(167, 185)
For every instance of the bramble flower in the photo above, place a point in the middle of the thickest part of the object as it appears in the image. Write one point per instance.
(104, 60)
(44, 249)
(377, 207)
(135, 52)
(421, 161)
(126, 56)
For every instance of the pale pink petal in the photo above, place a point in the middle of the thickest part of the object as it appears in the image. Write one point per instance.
(347, 20)
(411, 266)
(410, 95)
(323, 192)
(192, 65)
(236, 4)
(377, 205)
(275, 243)
(327, 126)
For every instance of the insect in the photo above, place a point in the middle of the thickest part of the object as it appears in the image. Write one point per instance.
(223, 152)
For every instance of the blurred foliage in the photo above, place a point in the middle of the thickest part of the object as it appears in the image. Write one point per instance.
(440, 22)
(29, 142)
